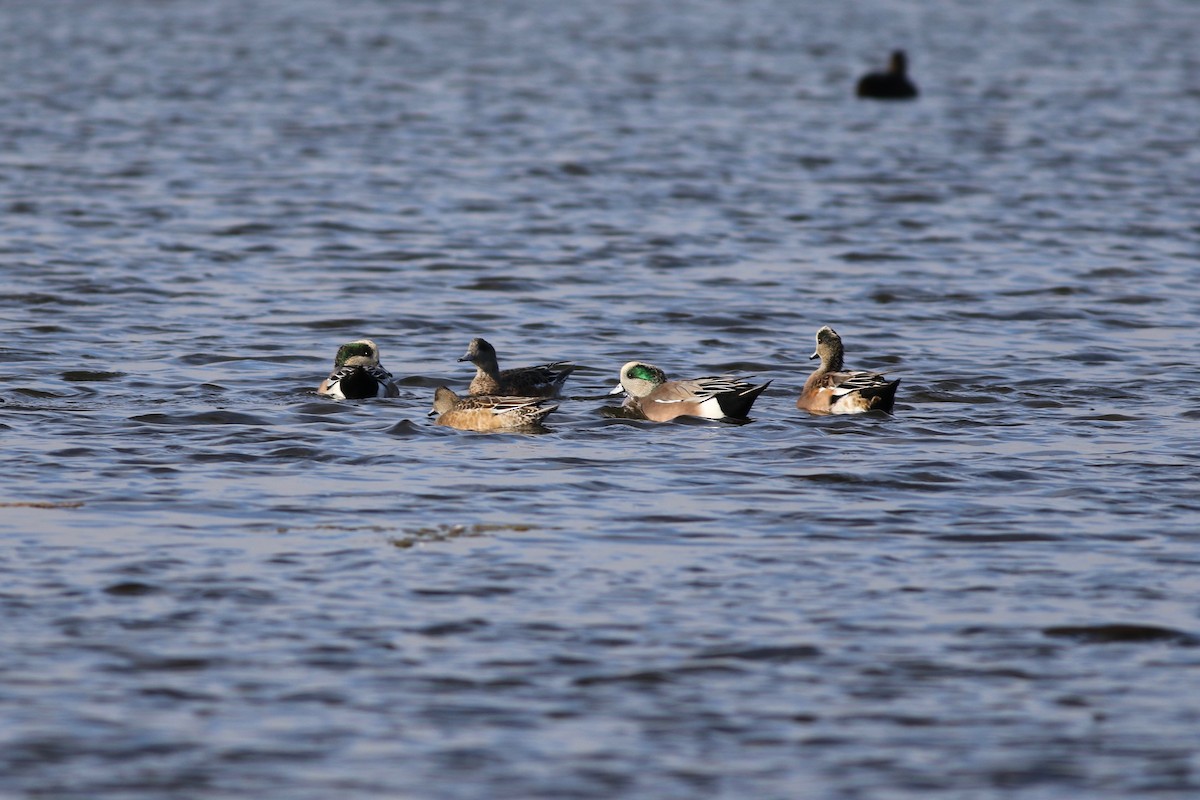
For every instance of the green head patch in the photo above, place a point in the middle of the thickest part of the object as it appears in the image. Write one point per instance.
(645, 372)
(349, 351)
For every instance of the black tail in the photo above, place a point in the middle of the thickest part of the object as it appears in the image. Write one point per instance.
(737, 404)
(883, 397)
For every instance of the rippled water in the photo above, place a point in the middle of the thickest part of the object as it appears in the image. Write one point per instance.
(218, 584)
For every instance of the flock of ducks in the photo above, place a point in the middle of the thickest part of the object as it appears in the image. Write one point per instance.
(518, 398)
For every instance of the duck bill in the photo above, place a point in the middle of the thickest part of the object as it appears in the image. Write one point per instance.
(814, 355)
(617, 389)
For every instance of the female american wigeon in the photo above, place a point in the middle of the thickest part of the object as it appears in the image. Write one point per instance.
(488, 413)
(544, 380)
(891, 85)
(357, 373)
(829, 390)
(649, 393)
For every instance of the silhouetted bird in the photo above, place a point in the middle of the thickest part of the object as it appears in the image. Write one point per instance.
(891, 85)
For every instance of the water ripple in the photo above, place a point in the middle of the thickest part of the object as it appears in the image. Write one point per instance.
(218, 583)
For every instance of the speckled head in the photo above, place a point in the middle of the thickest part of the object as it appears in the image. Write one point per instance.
(479, 350)
(443, 400)
(829, 349)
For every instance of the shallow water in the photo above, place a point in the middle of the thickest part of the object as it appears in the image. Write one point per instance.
(218, 584)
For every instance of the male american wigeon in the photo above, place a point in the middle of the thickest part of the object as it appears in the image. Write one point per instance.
(543, 380)
(357, 373)
(829, 390)
(649, 393)
(891, 85)
(488, 413)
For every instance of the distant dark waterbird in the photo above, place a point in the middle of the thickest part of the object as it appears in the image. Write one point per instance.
(891, 85)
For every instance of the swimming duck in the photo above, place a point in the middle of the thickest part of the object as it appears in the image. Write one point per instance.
(357, 373)
(650, 393)
(829, 390)
(544, 380)
(891, 85)
(488, 412)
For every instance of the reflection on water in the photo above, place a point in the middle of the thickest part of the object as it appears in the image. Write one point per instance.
(217, 583)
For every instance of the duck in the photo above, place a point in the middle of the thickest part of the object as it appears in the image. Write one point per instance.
(649, 393)
(830, 390)
(543, 380)
(891, 85)
(488, 412)
(357, 374)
